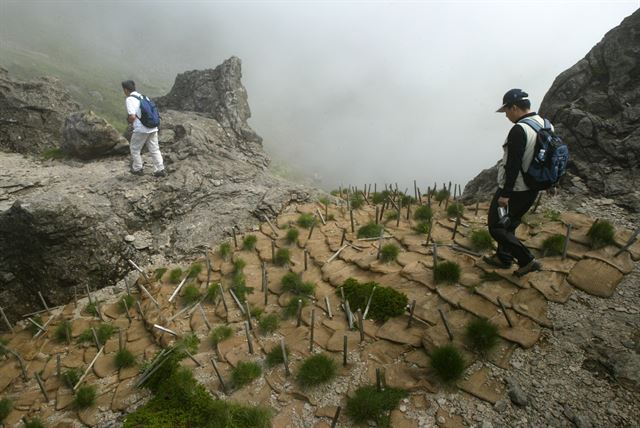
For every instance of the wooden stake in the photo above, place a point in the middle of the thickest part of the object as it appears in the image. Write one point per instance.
(273, 229)
(334, 421)
(43, 302)
(95, 338)
(75, 296)
(377, 214)
(328, 307)
(535, 207)
(266, 287)
(285, 359)
(224, 302)
(337, 253)
(155, 302)
(177, 290)
(446, 323)
(415, 189)
(273, 251)
(380, 244)
(399, 213)
(504, 312)
(249, 341)
(86, 372)
(126, 309)
(42, 388)
(193, 358)
(632, 239)
(353, 227)
(455, 227)
(248, 315)
(220, 379)
(6, 320)
(139, 308)
(165, 330)
(321, 216)
(360, 325)
(413, 307)
(38, 326)
(299, 313)
(88, 294)
(344, 350)
(366, 309)
(435, 259)
(349, 314)
(344, 235)
(235, 299)
(235, 238)
(204, 316)
(378, 379)
(120, 343)
(313, 319)
(384, 204)
(306, 255)
(477, 206)
(311, 231)
(566, 242)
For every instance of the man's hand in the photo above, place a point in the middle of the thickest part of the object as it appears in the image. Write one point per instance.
(503, 202)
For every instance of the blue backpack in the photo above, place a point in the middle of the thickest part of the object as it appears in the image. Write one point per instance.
(149, 115)
(550, 157)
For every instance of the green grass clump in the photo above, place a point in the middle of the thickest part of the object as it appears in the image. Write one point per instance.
(282, 257)
(269, 323)
(447, 363)
(406, 200)
(274, 356)
(91, 308)
(124, 358)
(256, 312)
(455, 210)
(52, 153)
(159, 273)
(441, 195)
(220, 333)
(4, 343)
(391, 215)
(553, 245)
(33, 423)
(423, 227)
(356, 200)
(32, 328)
(423, 213)
(212, 292)
(293, 283)
(447, 272)
(71, 376)
(129, 299)
(369, 404)
(190, 342)
(6, 406)
(335, 192)
(190, 294)
(385, 303)
(370, 230)
(481, 335)
(291, 310)
(389, 253)
(552, 215)
(62, 331)
(245, 372)
(249, 242)
(380, 197)
(238, 265)
(481, 240)
(194, 270)
(601, 234)
(225, 250)
(104, 332)
(324, 201)
(292, 235)
(306, 221)
(315, 370)
(175, 275)
(85, 397)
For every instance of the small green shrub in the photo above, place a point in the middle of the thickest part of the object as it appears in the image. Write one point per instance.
(213, 290)
(306, 221)
(380, 197)
(92, 308)
(256, 312)
(385, 303)
(406, 200)
(269, 323)
(159, 273)
(356, 200)
(423, 227)
(335, 192)
(71, 376)
(130, 301)
(315, 370)
(249, 242)
(441, 195)
(190, 342)
(324, 201)
(293, 283)
(52, 153)
(370, 230)
(62, 331)
(238, 265)
(194, 270)
(423, 213)
(455, 210)
(389, 253)
(33, 423)
(220, 333)
(447, 363)
(239, 286)
(291, 310)
(124, 358)
(552, 215)
(481, 335)
(190, 294)
(391, 215)
(292, 235)
(104, 332)
(553, 245)
(601, 234)
(282, 257)
(175, 275)
(245, 372)
(369, 404)
(274, 356)
(225, 250)
(85, 397)
(481, 240)
(447, 272)
(6, 406)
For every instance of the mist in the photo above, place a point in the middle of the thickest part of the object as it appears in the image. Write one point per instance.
(348, 92)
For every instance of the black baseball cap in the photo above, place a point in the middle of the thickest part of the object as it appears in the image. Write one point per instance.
(511, 97)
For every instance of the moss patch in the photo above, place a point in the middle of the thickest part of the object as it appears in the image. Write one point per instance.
(553, 245)
(481, 240)
(601, 234)
(385, 303)
(447, 363)
(481, 335)
(448, 272)
(316, 370)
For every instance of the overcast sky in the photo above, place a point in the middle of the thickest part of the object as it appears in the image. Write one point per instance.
(353, 91)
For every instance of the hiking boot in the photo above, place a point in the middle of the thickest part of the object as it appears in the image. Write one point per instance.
(161, 173)
(532, 266)
(137, 172)
(495, 261)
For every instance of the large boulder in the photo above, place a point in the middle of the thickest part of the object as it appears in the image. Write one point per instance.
(32, 113)
(482, 187)
(87, 136)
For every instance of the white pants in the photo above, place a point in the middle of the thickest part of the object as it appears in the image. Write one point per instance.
(138, 140)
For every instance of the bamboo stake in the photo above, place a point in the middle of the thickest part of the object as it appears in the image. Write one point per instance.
(6, 320)
(193, 358)
(88, 293)
(136, 267)
(380, 244)
(446, 323)
(349, 314)
(249, 341)
(285, 359)
(366, 309)
(504, 312)
(165, 330)
(566, 242)
(224, 302)
(632, 239)
(126, 309)
(177, 290)
(215, 368)
(328, 307)
(299, 313)
(42, 388)
(337, 253)
(139, 308)
(86, 372)
(38, 326)
(313, 321)
(360, 325)
(334, 421)
(46, 307)
(344, 350)
(235, 299)
(321, 216)
(235, 238)
(45, 326)
(155, 302)
(248, 315)
(273, 229)
(204, 316)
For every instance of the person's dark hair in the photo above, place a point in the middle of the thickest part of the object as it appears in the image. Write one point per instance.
(129, 85)
(523, 104)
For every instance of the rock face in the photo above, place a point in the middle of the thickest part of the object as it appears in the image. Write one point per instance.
(32, 113)
(482, 187)
(217, 93)
(87, 136)
(595, 107)
(64, 223)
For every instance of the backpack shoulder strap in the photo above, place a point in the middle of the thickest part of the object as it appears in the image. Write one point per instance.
(136, 97)
(533, 124)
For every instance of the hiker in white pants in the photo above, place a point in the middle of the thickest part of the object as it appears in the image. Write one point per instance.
(141, 134)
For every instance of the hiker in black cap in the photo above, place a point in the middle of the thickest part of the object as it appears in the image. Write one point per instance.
(513, 198)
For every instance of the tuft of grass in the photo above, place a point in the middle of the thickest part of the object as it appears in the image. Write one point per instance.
(423, 227)
(124, 358)
(281, 257)
(447, 363)
(104, 332)
(85, 397)
(380, 197)
(490, 277)
(455, 210)
(249, 242)
(212, 292)
(129, 299)
(245, 372)
(33, 423)
(256, 312)
(391, 215)
(316, 370)
(220, 333)
(331, 217)
(194, 270)
(553, 245)
(291, 310)
(91, 308)
(481, 240)
(269, 323)
(601, 234)
(335, 192)
(71, 376)
(62, 331)
(4, 342)
(225, 250)
(52, 153)
(175, 275)
(190, 294)
(369, 404)
(481, 335)
(370, 230)
(385, 303)
(389, 253)
(292, 235)
(552, 215)
(238, 265)
(324, 201)
(448, 272)
(293, 283)
(159, 273)
(356, 200)
(306, 221)
(441, 195)
(6, 406)
(423, 213)
(190, 342)
(274, 356)
(406, 200)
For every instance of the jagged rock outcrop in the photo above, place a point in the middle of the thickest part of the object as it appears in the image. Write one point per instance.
(64, 223)
(32, 113)
(86, 135)
(595, 107)
(215, 92)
